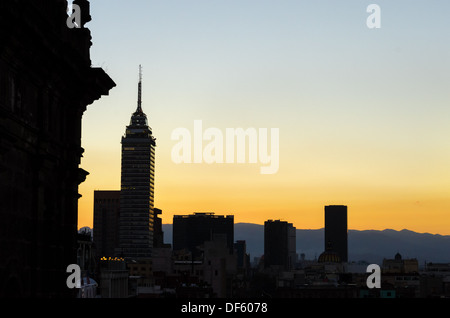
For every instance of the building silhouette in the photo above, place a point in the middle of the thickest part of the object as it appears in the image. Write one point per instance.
(400, 265)
(240, 247)
(137, 186)
(106, 218)
(279, 245)
(336, 231)
(190, 231)
(158, 234)
(46, 84)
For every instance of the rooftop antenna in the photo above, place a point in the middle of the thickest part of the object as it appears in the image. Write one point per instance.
(139, 105)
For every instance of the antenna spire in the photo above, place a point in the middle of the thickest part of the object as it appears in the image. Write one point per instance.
(139, 103)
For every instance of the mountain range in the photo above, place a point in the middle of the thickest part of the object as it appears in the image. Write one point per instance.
(371, 246)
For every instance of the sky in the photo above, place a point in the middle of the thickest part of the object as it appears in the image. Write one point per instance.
(363, 113)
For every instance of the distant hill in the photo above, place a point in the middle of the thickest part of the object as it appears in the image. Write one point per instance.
(369, 245)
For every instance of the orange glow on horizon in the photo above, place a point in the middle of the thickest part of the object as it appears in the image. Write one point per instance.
(254, 198)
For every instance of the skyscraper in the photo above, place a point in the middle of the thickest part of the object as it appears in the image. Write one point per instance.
(336, 230)
(137, 186)
(279, 245)
(106, 215)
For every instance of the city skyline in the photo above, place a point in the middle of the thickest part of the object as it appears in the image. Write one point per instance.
(362, 113)
(249, 129)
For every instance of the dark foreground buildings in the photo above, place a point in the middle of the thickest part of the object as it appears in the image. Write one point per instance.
(46, 83)
(190, 231)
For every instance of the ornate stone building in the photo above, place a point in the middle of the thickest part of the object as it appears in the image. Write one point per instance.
(46, 83)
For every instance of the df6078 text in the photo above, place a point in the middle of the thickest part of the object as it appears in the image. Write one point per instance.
(246, 307)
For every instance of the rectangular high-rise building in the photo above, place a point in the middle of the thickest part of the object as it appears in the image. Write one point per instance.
(106, 217)
(279, 245)
(336, 230)
(137, 187)
(190, 231)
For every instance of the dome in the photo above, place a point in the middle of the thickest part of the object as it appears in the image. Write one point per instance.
(329, 256)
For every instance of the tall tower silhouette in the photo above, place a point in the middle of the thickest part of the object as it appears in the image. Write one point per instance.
(137, 186)
(336, 230)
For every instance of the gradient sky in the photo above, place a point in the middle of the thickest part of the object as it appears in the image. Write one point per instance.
(363, 114)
